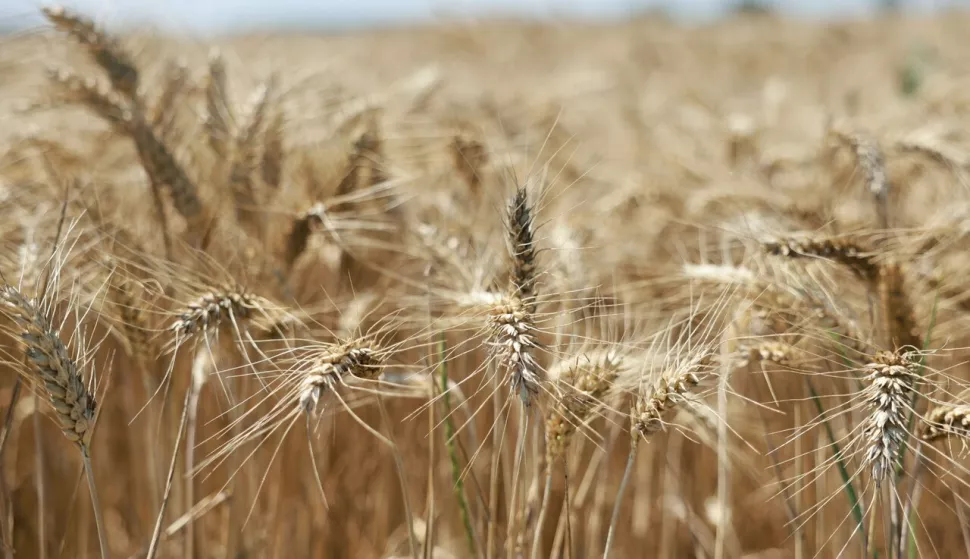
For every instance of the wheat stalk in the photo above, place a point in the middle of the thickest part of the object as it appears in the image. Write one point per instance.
(672, 388)
(901, 326)
(583, 381)
(56, 373)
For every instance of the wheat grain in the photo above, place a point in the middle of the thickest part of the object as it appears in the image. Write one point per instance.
(890, 378)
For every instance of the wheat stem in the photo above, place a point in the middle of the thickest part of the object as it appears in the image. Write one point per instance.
(516, 471)
(399, 466)
(157, 533)
(537, 534)
(615, 517)
(95, 503)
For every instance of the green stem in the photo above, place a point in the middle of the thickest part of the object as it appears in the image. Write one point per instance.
(451, 444)
(850, 491)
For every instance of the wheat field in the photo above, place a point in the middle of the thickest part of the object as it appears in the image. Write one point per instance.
(487, 290)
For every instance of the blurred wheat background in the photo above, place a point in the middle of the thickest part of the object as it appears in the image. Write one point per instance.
(487, 289)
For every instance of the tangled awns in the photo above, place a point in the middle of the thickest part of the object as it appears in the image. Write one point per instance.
(487, 290)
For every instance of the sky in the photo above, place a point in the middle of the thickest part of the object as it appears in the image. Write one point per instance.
(206, 16)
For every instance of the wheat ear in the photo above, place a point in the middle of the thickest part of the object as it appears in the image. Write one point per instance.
(274, 151)
(583, 381)
(160, 165)
(245, 159)
(849, 252)
(766, 352)
(870, 158)
(161, 114)
(470, 157)
(890, 378)
(218, 117)
(332, 366)
(56, 372)
(104, 49)
(511, 323)
(210, 311)
(946, 420)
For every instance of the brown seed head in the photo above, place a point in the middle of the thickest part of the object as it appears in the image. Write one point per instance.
(55, 371)
(104, 49)
(946, 421)
(890, 377)
(333, 365)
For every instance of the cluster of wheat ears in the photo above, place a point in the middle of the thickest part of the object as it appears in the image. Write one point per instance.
(414, 324)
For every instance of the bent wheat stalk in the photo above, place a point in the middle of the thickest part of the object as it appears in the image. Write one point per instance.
(647, 417)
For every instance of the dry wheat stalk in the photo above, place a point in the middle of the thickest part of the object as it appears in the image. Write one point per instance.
(901, 325)
(104, 49)
(57, 374)
(673, 387)
(890, 378)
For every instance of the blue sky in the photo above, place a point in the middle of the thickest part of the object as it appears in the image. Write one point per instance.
(219, 15)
